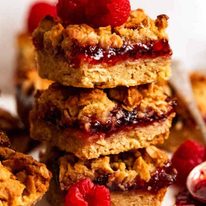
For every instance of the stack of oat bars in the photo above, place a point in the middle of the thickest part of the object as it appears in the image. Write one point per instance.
(106, 111)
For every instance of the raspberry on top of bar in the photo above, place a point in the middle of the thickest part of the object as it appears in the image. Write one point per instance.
(139, 37)
(84, 56)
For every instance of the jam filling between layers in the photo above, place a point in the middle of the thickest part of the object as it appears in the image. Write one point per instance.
(129, 51)
(97, 55)
(119, 119)
(115, 174)
(162, 177)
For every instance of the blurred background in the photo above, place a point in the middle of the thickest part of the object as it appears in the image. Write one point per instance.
(187, 31)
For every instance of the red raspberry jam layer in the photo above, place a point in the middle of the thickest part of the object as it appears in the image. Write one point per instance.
(119, 119)
(98, 55)
(163, 177)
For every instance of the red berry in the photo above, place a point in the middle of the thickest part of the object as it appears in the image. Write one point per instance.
(37, 12)
(187, 156)
(109, 12)
(85, 193)
(72, 11)
(100, 196)
(101, 13)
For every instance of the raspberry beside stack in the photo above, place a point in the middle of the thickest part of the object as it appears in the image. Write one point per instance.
(107, 109)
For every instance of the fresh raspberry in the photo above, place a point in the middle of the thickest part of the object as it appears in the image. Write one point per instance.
(108, 12)
(101, 13)
(85, 193)
(37, 12)
(187, 156)
(72, 11)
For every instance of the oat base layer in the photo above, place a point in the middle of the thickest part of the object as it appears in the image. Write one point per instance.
(127, 73)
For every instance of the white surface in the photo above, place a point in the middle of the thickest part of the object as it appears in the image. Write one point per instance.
(8, 103)
(187, 30)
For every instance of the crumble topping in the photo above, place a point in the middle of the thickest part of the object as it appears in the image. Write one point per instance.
(67, 106)
(23, 180)
(139, 28)
(129, 97)
(53, 36)
(148, 97)
(123, 170)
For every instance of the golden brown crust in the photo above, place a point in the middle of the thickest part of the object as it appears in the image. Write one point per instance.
(137, 198)
(23, 180)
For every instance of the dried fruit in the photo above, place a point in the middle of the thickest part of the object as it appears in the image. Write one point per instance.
(37, 12)
(86, 193)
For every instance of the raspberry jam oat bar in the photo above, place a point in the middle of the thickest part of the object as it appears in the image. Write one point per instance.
(134, 53)
(138, 176)
(94, 122)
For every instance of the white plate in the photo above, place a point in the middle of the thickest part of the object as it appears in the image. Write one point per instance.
(8, 102)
